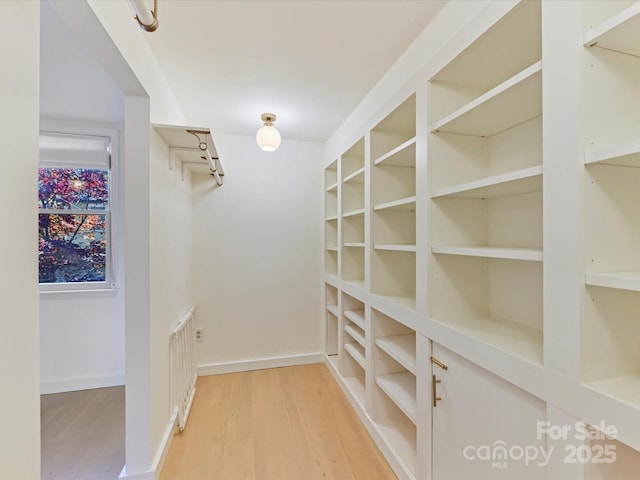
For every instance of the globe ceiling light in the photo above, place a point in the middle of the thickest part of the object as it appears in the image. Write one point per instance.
(268, 137)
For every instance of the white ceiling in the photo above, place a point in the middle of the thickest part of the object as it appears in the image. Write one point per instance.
(308, 61)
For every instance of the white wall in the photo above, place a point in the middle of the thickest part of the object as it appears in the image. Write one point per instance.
(20, 398)
(82, 334)
(257, 253)
(170, 249)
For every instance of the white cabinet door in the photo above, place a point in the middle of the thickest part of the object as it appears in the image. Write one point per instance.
(483, 427)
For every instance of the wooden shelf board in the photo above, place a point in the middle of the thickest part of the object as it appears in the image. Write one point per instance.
(511, 183)
(619, 280)
(624, 388)
(355, 177)
(356, 352)
(331, 218)
(402, 348)
(508, 253)
(332, 187)
(354, 244)
(333, 309)
(408, 203)
(401, 156)
(408, 302)
(357, 317)
(621, 32)
(332, 249)
(511, 103)
(625, 155)
(394, 248)
(358, 336)
(353, 213)
(511, 337)
(401, 389)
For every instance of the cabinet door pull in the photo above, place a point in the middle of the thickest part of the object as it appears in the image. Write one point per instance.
(434, 382)
(439, 363)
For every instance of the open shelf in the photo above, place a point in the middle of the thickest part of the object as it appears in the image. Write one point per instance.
(511, 337)
(355, 177)
(353, 264)
(356, 316)
(353, 161)
(394, 130)
(354, 244)
(627, 155)
(394, 276)
(510, 253)
(353, 213)
(511, 183)
(357, 353)
(331, 262)
(401, 389)
(353, 229)
(355, 380)
(495, 301)
(332, 314)
(609, 332)
(511, 103)
(620, 32)
(356, 333)
(619, 280)
(394, 248)
(332, 188)
(400, 433)
(404, 155)
(408, 203)
(402, 348)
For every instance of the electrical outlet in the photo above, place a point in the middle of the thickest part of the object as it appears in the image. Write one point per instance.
(199, 334)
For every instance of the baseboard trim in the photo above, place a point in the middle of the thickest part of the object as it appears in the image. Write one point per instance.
(259, 364)
(396, 465)
(161, 454)
(73, 384)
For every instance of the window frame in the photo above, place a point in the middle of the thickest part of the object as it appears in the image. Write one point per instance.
(111, 282)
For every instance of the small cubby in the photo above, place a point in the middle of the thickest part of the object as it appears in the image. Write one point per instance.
(332, 314)
(354, 345)
(611, 64)
(353, 265)
(393, 276)
(395, 132)
(353, 175)
(494, 300)
(353, 230)
(331, 261)
(395, 401)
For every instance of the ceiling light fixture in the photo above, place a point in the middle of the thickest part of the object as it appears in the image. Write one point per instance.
(268, 137)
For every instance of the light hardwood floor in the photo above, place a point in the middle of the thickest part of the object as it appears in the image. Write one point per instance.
(83, 434)
(291, 423)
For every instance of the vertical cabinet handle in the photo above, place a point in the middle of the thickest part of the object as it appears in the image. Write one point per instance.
(434, 382)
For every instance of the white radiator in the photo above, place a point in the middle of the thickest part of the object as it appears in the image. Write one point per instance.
(183, 368)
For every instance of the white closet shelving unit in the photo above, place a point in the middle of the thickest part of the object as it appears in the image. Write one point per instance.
(393, 206)
(446, 222)
(611, 360)
(331, 183)
(353, 214)
(485, 166)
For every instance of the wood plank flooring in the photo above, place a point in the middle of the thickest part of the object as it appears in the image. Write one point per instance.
(291, 423)
(83, 434)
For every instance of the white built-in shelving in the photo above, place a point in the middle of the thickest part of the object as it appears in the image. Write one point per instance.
(485, 151)
(395, 399)
(354, 345)
(353, 214)
(331, 320)
(393, 205)
(331, 181)
(611, 359)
